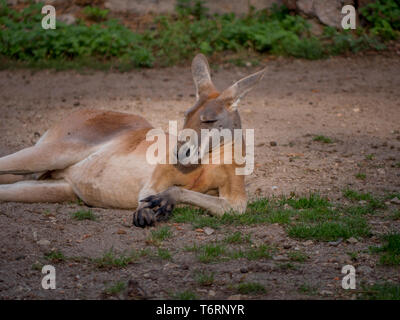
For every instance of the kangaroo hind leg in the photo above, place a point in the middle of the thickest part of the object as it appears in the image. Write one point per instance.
(44, 157)
(37, 191)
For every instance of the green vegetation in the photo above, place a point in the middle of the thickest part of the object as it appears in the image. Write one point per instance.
(84, 215)
(95, 13)
(390, 251)
(237, 238)
(370, 156)
(108, 43)
(381, 291)
(116, 288)
(297, 256)
(384, 17)
(204, 278)
(305, 217)
(55, 256)
(111, 259)
(160, 234)
(250, 288)
(215, 252)
(361, 176)
(164, 254)
(184, 295)
(323, 139)
(307, 289)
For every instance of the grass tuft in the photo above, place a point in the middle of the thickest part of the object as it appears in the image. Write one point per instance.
(84, 215)
(250, 288)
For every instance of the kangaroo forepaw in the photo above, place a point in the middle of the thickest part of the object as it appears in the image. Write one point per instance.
(144, 217)
(163, 204)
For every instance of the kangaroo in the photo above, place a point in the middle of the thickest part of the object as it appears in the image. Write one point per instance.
(100, 157)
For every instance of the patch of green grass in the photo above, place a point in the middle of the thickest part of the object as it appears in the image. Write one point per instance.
(164, 254)
(307, 289)
(111, 259)
(390, 251)
(55, 256)
(373, 202)
(323, 139)
(84, 215)
(353, 255)
(297, 256)
(370, 156)
(174, 37)
(161, 234)
(313, 200)
(361, 176)
(382, 291)
(37, 266)
(397, 165)
(116, 288)
(204, 278)
(395, 215)
(208, 253)
(254, 253)
(198, 218)
(345, 228)
(95, 13)
(250, 288)
(184, 295)
(287, 266)
(237, 238)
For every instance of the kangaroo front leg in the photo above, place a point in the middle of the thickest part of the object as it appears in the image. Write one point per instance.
(166, 200)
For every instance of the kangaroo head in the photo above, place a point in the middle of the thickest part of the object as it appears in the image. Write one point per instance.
(214, 109)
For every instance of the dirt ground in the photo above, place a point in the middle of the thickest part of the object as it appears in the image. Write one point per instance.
(353, 100)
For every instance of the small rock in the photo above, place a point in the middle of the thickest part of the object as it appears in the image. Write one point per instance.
(121, 231)
(308, 243)
(244, 270)
(395, 200)
(273, 143)
(352, 240)
(362, 202)
(335, 243)
(208, 231)
(211, 293)
(34, 235)
(326, 293)
(274, 187)
(287, 246)
(43, 242)
(280, 258)
(235, 297)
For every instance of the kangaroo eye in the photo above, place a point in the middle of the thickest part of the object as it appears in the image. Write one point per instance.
(209, 121)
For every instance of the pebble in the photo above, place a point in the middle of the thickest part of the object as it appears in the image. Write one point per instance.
(395, 200)
(352, 240)
(335, 243)
(244, 270)
(280, 258)
(211, 293)
(273, 144)
(208, 231)
(326, 292)
(308, 243)
(235, 297)
(43, 242)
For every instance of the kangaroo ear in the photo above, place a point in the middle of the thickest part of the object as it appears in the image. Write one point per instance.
(201, 76)
(235, 92)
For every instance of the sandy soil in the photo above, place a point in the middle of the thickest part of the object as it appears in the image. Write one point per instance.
(355, 101)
